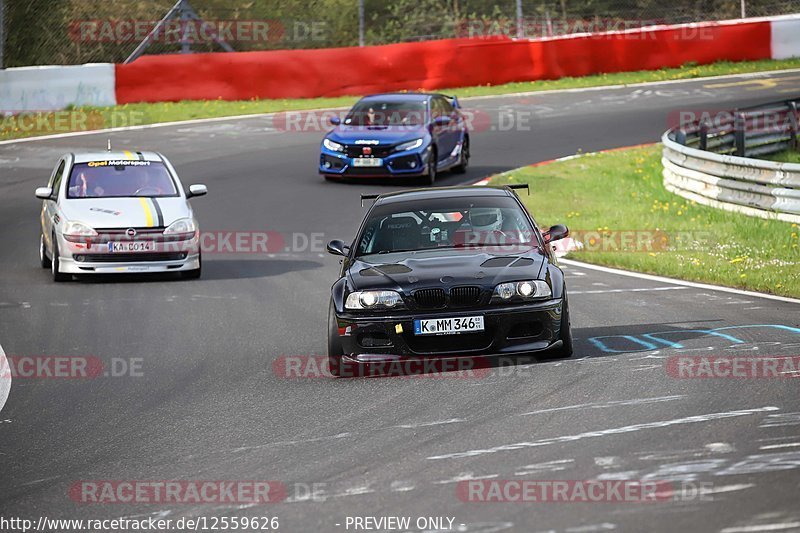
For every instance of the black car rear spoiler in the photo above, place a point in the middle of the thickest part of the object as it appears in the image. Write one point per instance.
(368, 197)
(515, 186)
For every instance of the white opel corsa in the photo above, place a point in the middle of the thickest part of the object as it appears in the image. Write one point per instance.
(118, 212)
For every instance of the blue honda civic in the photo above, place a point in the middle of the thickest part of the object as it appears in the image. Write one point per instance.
(397, 135)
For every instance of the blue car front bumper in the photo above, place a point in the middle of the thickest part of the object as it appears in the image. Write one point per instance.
(406, 163)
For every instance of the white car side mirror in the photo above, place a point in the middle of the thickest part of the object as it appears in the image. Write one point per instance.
(44, 193)
(197, 190)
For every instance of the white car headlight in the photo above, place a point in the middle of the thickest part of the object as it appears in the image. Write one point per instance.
(372, 300)
(74, 228)
(182, 225)
(527, 290)
(332, 145)
(410, 145)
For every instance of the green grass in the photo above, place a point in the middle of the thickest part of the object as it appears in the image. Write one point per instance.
(620, 194)
(785, 157)
(123, 115)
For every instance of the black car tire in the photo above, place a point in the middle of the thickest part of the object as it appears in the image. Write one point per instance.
(430, 179)
(55, 264)
(335, 350)
(565, 350)
(461, 168)
(194, 274)
(43, 259)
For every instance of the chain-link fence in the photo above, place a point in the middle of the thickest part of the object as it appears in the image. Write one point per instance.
(38, 32)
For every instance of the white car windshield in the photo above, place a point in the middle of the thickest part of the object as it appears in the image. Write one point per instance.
(115, 179)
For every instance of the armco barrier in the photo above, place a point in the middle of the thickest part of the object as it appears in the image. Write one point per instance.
(55, 87)
(753, 187)
(434, 65)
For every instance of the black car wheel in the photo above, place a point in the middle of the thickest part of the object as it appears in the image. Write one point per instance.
(43, 259)
(335, 350)
(55, 264)
(430, 179)
(565, 350)
(461, 168)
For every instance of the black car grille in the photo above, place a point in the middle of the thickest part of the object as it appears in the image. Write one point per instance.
(130, 257)
(430, 298)
(464, 296)
(456, 344)
(437, 298)
(357, 150)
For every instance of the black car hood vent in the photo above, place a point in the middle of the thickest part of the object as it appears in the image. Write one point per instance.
(498, 262)
(502, 262)
(382, 270)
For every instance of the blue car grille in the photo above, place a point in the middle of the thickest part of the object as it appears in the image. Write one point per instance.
(357, 150)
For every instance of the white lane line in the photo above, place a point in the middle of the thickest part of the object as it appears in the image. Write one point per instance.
(650, 277)
(464, 476)
(602, 405)
(428, 424)
(5, 378)
(647, 289)
(764, 74)
(709, 417)
(778, 446)
(761, 527)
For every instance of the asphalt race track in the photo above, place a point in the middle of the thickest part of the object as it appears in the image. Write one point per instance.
(206, 404)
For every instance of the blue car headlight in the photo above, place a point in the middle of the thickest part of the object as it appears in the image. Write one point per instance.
(410, 145)
(332, 145)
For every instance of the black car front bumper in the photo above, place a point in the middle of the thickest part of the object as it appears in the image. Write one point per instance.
(508, 330)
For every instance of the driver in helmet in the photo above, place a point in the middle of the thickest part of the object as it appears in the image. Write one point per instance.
(486, 224)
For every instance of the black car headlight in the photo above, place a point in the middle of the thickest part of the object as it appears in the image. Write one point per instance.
(373, 300)
(522, 290)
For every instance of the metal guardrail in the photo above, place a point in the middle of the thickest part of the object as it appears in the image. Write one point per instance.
(711, 161)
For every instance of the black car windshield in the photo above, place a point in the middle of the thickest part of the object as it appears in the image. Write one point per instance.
(381, 113)
(446, 223)
(114, 179)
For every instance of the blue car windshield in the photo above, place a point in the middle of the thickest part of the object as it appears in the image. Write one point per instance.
(377, 113)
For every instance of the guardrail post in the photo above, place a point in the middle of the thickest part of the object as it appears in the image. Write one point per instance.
(739, 134)
(704, 127)
(795, 143)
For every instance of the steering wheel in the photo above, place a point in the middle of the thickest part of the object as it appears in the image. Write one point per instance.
(147, 190)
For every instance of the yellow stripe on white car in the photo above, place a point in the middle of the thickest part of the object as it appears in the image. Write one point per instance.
(148, 212)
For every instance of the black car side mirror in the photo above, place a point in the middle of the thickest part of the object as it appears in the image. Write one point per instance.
(335, 121)
(556, 233)
(336, 247)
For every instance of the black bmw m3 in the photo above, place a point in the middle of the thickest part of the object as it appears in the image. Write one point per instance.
(447, 273)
